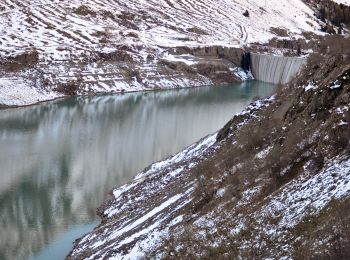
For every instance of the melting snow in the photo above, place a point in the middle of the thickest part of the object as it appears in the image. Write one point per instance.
(345, 2)
(18, 93)
(310, 193)
(264, 153)
(311, 86)
(220, 192)
(187, 59)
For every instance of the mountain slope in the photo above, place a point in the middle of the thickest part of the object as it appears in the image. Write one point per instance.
(59, 29)
(56, 48)
(273, 183)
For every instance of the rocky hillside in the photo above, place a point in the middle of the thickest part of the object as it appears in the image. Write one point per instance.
(335, 15)
(273, 183)
(55, 48)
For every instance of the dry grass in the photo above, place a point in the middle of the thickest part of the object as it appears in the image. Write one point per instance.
(325, 236)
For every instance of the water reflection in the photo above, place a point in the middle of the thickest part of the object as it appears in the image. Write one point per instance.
(58, 160)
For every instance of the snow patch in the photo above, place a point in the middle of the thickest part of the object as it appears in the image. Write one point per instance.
(19, 93)
(187, 59)
(262, 154)
(310, 193)
(311, 86)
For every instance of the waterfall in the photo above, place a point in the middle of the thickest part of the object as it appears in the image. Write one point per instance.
(275, 69)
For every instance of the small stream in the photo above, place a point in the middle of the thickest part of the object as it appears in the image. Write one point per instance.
(59, 160)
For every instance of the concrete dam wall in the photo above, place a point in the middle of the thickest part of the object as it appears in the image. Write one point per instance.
(275, 69)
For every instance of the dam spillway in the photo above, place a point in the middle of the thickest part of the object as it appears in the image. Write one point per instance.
(275, 69)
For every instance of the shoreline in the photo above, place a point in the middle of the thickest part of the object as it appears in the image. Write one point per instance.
(3, 107)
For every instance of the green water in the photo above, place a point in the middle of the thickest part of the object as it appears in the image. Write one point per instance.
(59, 160)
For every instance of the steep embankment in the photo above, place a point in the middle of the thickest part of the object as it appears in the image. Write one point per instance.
(273, 183)
(334, 14)
(55, 48)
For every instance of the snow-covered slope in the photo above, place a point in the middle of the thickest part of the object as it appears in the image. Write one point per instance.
(156, 207)
(60, 29)
(96, 46)
(124, 238)
(257, 189)
(168, 188)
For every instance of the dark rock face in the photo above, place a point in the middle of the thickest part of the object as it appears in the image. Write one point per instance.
(214, 62)
(19, 62)
(216, 71)
(232, 54)
(70, 88)
(290, 44)
(206, 51)
(246, 61)
(84, 10)
(120, 55)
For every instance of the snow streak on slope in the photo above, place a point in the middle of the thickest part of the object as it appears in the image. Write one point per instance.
(134, 219)
(310, 193)
(278, 214)
(345, 2)
(65, 29)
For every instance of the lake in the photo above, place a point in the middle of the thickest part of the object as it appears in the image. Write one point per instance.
(59, 160)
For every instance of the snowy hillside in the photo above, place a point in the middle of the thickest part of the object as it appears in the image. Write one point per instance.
(59, 29)
(56, 48)
(273, 183)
